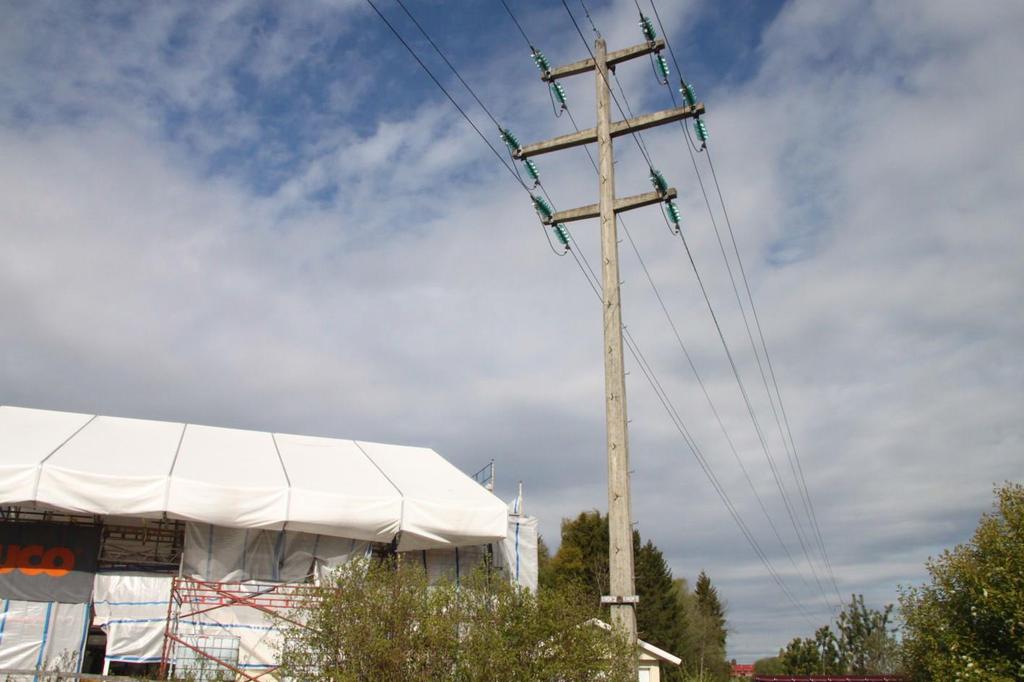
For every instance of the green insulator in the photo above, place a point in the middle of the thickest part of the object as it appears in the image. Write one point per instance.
(702, 130)
(673, 212)
(686, 90)
(648, 28)
(658, 180)
(662, 67)
(531, 169)
(559, 92)
(541, 61)
(562, 233)
(509, 139)
(543, 207)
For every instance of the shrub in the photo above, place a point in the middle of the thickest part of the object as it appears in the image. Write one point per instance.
(382, 620)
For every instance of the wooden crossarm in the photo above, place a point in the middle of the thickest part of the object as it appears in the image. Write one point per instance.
(589, 136)
(617, 57)
(624, 204)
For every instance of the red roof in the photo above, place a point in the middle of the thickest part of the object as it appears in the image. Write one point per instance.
(827, 678)
(742, 668)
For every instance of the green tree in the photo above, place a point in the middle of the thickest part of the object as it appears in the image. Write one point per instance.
(967, 623)
(863, 642)
(770, 666)
(383, 621)
(829, 655)
(710, 606)
(582, 557)
(667, 615)
(817, 656)
(867, 642)
(707, 630)
(659, 618)
(801, 657)
(543, 557)
(687, 651)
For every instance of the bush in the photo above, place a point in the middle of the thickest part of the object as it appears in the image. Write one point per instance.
(382, 620)
(968, 622)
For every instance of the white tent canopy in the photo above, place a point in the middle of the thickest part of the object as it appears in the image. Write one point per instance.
(242, 479)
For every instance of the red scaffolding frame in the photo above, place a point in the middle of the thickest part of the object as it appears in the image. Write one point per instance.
(191, 597)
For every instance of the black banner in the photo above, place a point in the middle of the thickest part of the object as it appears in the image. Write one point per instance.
(48, 561)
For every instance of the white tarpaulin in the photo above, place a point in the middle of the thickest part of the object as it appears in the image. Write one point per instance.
(42, 635)
(517, 553)
(237, 555)
(132, 610)
(242, 479)
(257, 635)
(452, 564)
(515, 556)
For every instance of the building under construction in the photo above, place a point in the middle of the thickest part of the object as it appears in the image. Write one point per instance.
(131, 545)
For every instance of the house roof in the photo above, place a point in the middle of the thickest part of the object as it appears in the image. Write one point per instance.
(646, 647)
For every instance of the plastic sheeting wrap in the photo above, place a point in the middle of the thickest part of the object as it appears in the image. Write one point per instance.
(258, 634)
(238, 555)
(517, 553)
(42, 635)
(132, 610)
(515, 556)
(451, 564)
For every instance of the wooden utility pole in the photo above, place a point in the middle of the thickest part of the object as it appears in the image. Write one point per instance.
(623, 599)
(620, 513)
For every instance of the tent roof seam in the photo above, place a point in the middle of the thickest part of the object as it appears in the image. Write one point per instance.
(39, 467)
(287, 479)
(401, 495)
(174, 463)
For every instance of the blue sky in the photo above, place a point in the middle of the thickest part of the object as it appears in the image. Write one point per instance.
(264, 215)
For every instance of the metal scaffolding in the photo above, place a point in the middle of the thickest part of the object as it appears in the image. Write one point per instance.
(191, 598)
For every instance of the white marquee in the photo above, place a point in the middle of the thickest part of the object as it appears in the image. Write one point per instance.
(242, 479)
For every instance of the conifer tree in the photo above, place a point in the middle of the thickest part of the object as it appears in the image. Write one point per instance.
(660, 620)
(708, 631)
(582, 558)
(690, 625)
(711, 607)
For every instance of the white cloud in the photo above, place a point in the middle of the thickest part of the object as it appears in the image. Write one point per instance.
(872, 167)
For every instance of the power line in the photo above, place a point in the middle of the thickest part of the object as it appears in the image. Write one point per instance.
(757, 356)
(643, 149)
(446, 61)
(809, 506)
(593, 26)
(779, 482)
(516, 22)
(647, 370)
(801, 482)
(638, 138)
(690, 147)
(692, 444)
(671, 52)
(775, 382)
(688, 439)
(709, 473)
(693, 368)
(746, 398)
(714, 409)
(451, 99)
